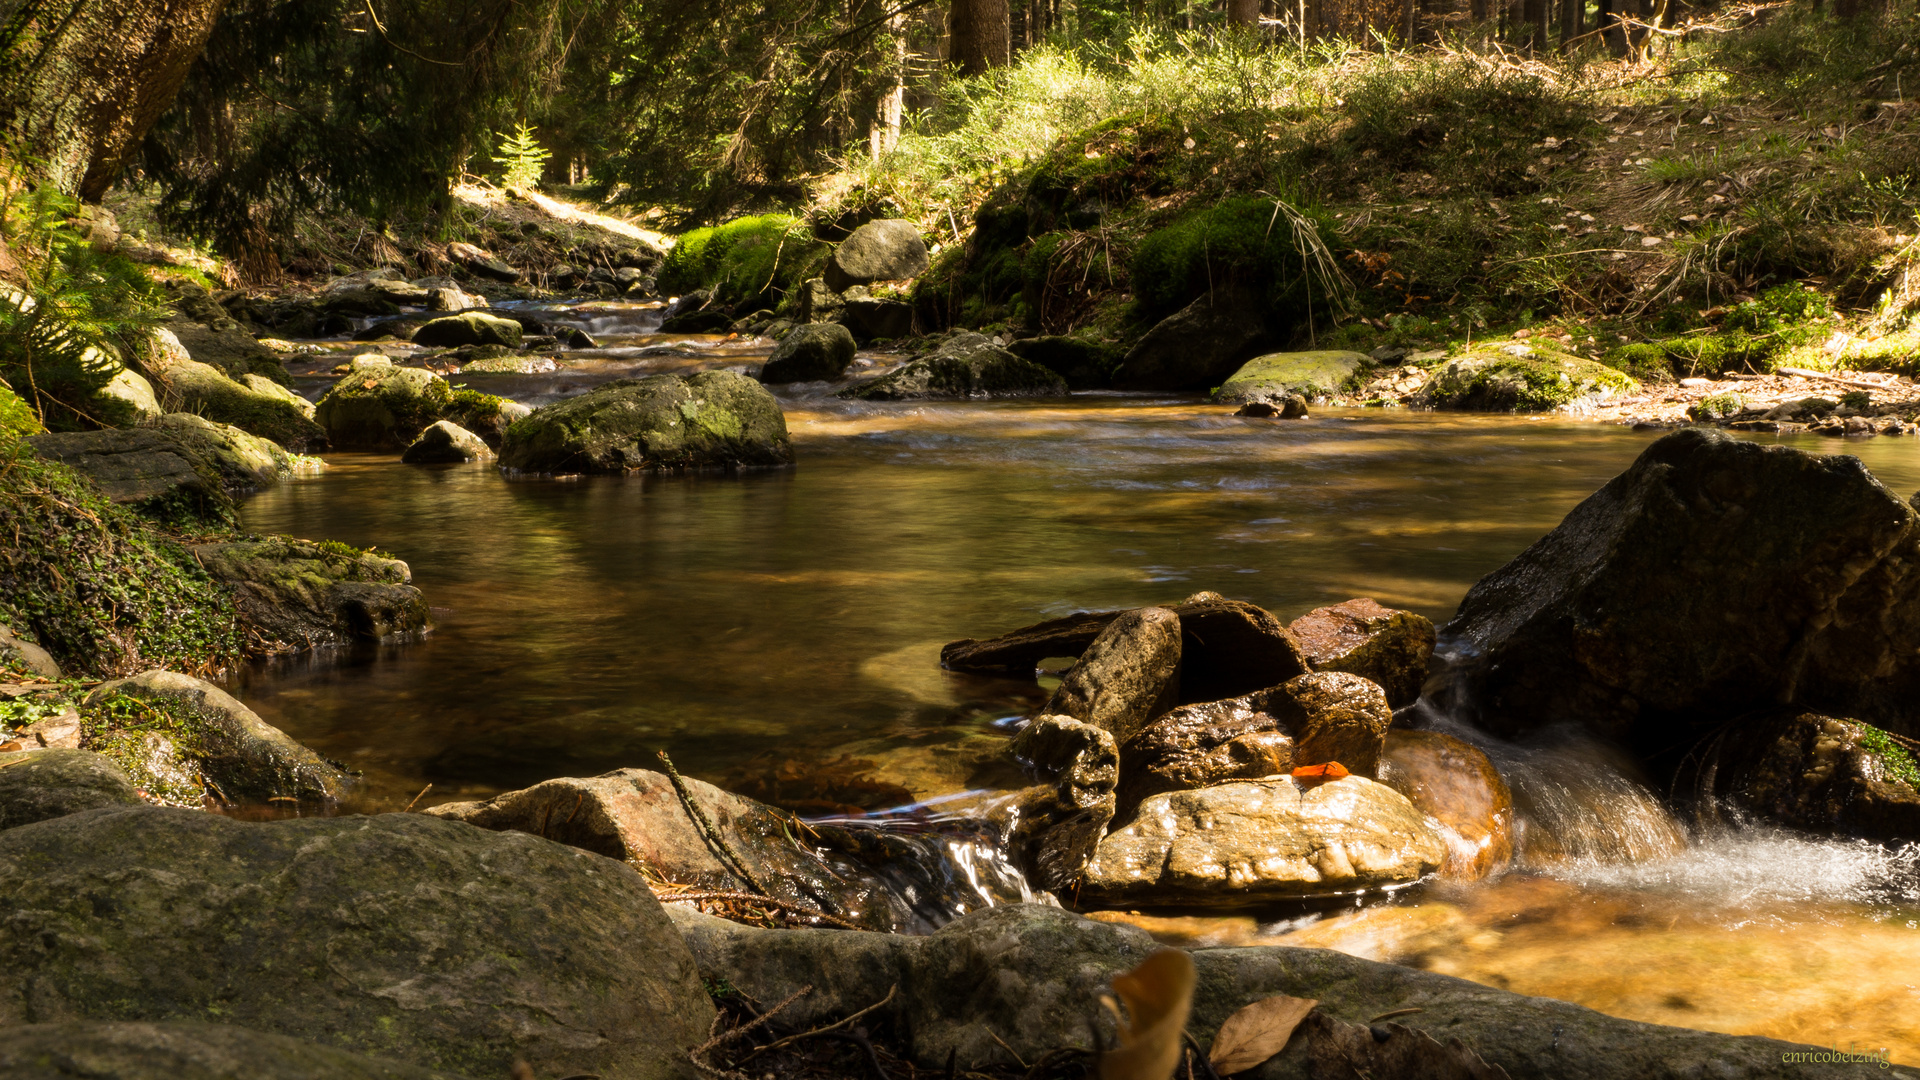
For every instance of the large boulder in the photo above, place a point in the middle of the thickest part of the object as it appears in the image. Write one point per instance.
(1363, 637)
(380, 405)
(964, 367)
(869, 877)
(1197, 347)
(1010, 984)
(446, 443)
(1128, 675)
(1084, 363)
(127, 398)
(1251, 842)
(55, 783)
(716, 419)
(810, 352)
(1712, 579)
(1056, 824)
(873, 319)
(297, 594)
(146, 468)
(1820, 773)
(1457, 786)
(1276, 376)
(180, 738)
(184, 1050)
(401, 935)
(885, 250)
(1520, 378)
(230, 349)
(469, 328)
(187, 385)
(242, 462)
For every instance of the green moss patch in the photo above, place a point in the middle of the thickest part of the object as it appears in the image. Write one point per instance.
(156, 742)
(750, 262)
(1895, 759)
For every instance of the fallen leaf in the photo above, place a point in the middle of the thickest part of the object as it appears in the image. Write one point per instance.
(1315, 775)
(1158, 994)
(1257, 1032)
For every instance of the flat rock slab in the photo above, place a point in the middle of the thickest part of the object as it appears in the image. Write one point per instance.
(184, 1050)
(399, 936)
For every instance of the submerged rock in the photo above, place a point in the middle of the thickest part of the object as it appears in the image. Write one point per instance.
(1712, 579)
(1458, 786)
(1275, 377)
(445, 442)
(1288, 407)
(1197, 347)
(1056, 824)
(1127, 676)
(872, 878)
(299, 594)
(55, 783)
(184, 1050)
(716, 419)
(888, 249)
(1389, 646)
(964, 367)
(1821, 773)
(810, 352)
(1523, 379)
(173, 733)
(1251, 842)
(400, 935)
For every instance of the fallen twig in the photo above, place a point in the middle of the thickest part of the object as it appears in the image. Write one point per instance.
(757, 898)
(1823, 377)
(417, 798)
(778, 1043)
(706, 827)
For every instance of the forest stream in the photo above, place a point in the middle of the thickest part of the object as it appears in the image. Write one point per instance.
(779, 632)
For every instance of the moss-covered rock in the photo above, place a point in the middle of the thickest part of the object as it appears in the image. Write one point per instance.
(54, 783)
(184, 1050)
(748, 263)
(191, 386)
(400, 935)
(17, 418)
(1086, 364)
(469, 328)
(230, 349)
(1272, 377)
(1521, 378)
(296, 594)
(380, 405)
(810, 352)
(152, 470)
(1717, 406)
(179, 738)
(965, 366)
(128, 398)
(716, 419)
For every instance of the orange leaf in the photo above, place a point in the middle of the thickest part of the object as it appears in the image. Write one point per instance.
(1314, 775)
(1158, 995)
(1257, 1032)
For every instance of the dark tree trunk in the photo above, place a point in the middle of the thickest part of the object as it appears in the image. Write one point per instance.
(1573, 17)
(1244, 12)
(82, 80)
(980, 34)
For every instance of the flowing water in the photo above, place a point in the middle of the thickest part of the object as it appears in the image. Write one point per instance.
(778, 633)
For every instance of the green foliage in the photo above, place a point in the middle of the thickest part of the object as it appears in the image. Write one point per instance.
(23, 712)
(522, 159)
(17, 418)
(1245, 242)
(1784, 310)
(98, 586)
(145, 737)
(1857, 400)
(472, 409)
(749, 263)
(1895, 759)
(61, 337)
(1717, 406)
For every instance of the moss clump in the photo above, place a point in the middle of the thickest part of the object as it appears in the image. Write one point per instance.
(97, 586)
(17, 418)
(749, 263)
(1717, 406)
(1523, 382)
(474, 410)
(1895, 760)
(158, 744)
(1243, 242)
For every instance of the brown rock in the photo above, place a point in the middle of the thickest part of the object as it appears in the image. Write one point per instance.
(1822, 773)
(1456, 785)
(1384, 644)
(1201, 745)
(1130, 674)
(1057, 823)
(1334, 716)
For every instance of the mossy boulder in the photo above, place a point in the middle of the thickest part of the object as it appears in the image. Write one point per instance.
(54, 783)
(1084, 363)
(402, 936)
(747, 263)
(179, 738)
(1523, 378)
(260, 384)
(184, 1050)
(1197, 347)
(128, 398)
(966, 366)
(148, 469)
(469, 328)
(299, 593)
(380, 405)
(233, 351)
(188, 385)
(809, 353)
(715, 419)
(1272, 377)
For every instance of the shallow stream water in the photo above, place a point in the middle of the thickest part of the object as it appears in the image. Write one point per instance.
(778, 633)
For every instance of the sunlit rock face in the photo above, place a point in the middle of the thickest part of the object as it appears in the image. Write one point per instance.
(1458, 786)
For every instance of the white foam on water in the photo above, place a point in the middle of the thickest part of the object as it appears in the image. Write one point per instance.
(1759, 867)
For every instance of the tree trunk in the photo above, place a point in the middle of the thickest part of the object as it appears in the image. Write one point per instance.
(980, 35)
(1573, 19)
(1244, 12)
(82, 80)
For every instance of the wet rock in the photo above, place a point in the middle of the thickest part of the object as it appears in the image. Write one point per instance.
(184, 1050)
(300, 594)
(233, 351)
(192, 732)
(382, 405)
(187, 385)
(1251, 842)
(712, 321)
(716, 419)
(1389, 646)
(1456, 785)
(23, 655)
(1520, 378)
(453, 299)
(469, 328)
(55, 783)
(481, 263)
(1289, 407)
(1820, 773)
(401, 935)
(874, 879)
(965, 366)
(1202, 745)
(1085, 364)
(889, 249)
(1022, 976)
(1712, 579)
(811, 352)
(445, 442)
(1127, 676)
(819, 301)
(872, 319)
(1334, 716)
(1275, 377)
(1197, 347)
(1056, 824)
(510, 365)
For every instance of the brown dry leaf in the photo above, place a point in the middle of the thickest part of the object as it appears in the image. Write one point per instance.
(1257, 1032)
(1158, 995)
